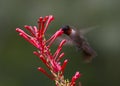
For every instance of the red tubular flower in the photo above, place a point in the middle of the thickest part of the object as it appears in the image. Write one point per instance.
(74, 78)
(52, 61)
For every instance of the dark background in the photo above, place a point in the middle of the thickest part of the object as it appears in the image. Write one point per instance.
(18, 66)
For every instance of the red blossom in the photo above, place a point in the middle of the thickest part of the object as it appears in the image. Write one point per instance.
(74, 78)
(37, 38)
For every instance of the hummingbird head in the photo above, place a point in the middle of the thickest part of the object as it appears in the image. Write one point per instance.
(66, 29)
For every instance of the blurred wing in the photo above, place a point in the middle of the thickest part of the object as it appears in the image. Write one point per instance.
(86, 30)
(59, 39)
(69, 42)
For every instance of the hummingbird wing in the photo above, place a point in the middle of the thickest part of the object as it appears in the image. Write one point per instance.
(69, 42)
(87, 30)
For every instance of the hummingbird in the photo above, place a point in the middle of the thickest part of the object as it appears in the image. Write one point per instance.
(80, 42)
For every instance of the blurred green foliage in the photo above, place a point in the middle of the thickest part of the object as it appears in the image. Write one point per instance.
(18, 66)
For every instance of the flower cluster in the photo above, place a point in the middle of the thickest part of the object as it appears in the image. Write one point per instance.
(52, 61)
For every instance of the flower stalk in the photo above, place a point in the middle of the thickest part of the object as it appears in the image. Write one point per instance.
(51, 60)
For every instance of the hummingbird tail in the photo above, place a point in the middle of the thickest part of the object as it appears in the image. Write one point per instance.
(88, 52)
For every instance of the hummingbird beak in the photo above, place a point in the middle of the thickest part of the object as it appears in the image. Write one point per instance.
(61, 30)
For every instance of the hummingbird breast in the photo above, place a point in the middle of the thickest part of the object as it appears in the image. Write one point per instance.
(77, 38)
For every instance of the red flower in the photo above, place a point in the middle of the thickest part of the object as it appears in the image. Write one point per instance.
(74, 78)
(52, 61)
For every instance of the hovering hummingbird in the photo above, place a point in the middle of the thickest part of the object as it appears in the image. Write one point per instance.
(80, 42)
